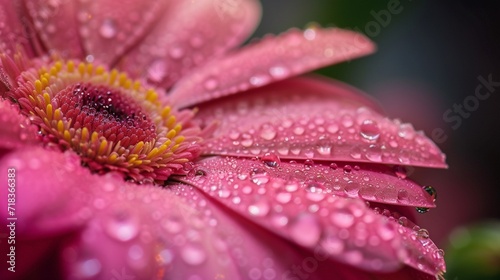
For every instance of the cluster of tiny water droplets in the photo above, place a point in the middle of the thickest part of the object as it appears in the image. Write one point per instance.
(306, 209)
(332, 131)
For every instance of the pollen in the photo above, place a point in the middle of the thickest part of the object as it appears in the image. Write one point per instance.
(114, 123)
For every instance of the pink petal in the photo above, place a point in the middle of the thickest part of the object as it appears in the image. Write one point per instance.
(110, 28)
(41, 185)
(345, 228)
(272, 59)
(189, 34)
(15, 130)
(57, 25)
(298, 121)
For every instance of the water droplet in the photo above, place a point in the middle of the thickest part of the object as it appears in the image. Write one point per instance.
(87, 268)
(423, 236)
(431, 191)
(279, 72)
(333, 245)
(332, 128)
(400, 171)
(193, 254)
(310, 34)
(315, 191)
(298, 130)
(351, 189)
(305, 230)
(259, 80)
(135, 253)
(157, 71)
(347, 168)
(403, 221)
(374, 153)
(283, 197)
(176, 52)
(369, 130)
(438, 254)
(165, 257)
(259, 209)
(324, 147)
(108, 29)
(308, 163)
(342, 218)
(271, 160)
(347, 121)
(268, 132)
(291, 187)
(279, 220)
(211, 84)
(224, 193)
(386, 231)
(406, 131)
(122, 226)
(403, 195)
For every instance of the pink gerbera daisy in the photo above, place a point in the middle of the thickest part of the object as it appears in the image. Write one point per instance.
(137, 143)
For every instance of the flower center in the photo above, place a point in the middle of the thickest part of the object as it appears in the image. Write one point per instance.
(112, 122)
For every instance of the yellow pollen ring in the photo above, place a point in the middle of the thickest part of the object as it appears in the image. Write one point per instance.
(154, 156)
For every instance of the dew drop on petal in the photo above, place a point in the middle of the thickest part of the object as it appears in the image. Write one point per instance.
(271, 160)
(403, 195)
(305, 230)
(342, 218)
(193, 254)
(211, 84)
(87, 268)
(278, 72)
(259, 80)
(333, 245)
(423, 236)
(431, 191)
(122, 227)
(369, 130)
(259, 209)
(108, 29)
(283, 197)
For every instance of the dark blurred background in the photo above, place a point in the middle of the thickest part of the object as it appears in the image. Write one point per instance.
(432, 55)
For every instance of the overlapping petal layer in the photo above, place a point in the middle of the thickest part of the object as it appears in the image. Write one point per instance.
(271, 59)
(15, 130)
(296, 120)
(311, 216)
(189, 34)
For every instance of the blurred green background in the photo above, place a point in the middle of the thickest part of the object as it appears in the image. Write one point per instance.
(429, 60)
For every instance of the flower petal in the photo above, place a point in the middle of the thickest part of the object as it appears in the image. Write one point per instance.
(345, 228)
(42, 181)
(15, 30)
(297, 120)
(15, 130)
(57, 24)
(109, 28)
(272, 59)
(209, 28)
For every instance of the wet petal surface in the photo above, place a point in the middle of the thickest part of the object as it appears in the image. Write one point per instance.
(272, 59)
(297, 121)
(15, 130)
(209, 28)
(345, 228)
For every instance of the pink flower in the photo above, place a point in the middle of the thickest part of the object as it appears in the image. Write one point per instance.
(193, 160)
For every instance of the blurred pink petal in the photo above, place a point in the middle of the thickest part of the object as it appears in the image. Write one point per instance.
(57, 24)
(271, 59)
(189, 34)
(295, 121)
(16, 130)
